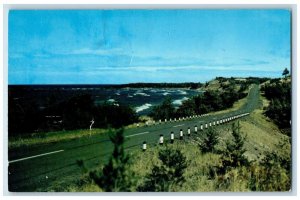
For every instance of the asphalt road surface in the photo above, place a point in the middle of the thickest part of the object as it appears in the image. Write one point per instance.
(40, 166)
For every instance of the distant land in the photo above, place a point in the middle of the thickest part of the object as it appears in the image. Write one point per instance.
(192, 85)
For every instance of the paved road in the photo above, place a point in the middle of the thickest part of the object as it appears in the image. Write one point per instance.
(40, 166)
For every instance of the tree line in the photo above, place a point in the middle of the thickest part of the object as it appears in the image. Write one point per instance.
(206, 102)
(191, 85)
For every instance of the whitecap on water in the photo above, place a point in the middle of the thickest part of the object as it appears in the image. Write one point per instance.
(182, 92)
(143, 107)
(141, 94)
(179, 101)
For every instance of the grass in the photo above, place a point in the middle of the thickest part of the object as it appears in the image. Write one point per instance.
(51, 137)
(197, 166)
(262, 138)
(76, 184)
(212, 85)
(236, 106)
(58, 136)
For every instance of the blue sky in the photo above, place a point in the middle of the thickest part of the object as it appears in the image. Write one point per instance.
(125, 46)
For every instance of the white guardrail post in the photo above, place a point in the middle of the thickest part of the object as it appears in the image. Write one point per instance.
(161, 139)
(181, 134)
(144, 147)
(172, 137)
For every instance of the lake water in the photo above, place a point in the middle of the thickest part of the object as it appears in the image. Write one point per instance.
(142, 100)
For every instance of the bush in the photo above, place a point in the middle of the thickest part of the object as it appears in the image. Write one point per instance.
(271, 175)
(109, 115)
(209, 141)
(279, 109)
(233, 155)
(186, 109)
(168, 173)
(78, 112)
(164, 111)
(115, 175)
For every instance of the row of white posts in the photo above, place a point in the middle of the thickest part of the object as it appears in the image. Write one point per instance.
(173, 120)
(218, 122)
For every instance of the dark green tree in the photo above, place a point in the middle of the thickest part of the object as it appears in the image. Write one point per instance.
(285, 72)
(209, 141)
(213, 99)
(109, 115)
(77, 112)
(164, 111)
(169, 172)
(115, 175)
(186, 109)
(233, 155)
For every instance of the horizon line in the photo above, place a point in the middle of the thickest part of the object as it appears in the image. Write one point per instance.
(120, 84)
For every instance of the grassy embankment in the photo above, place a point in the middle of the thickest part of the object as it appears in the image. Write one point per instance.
(56, 136)
(263, 137)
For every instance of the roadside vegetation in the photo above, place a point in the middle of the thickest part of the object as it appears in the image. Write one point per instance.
(116, 175)
(278, 93)
(236, 162)
(51, 137)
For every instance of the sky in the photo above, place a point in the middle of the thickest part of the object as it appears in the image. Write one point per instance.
(127, 46)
